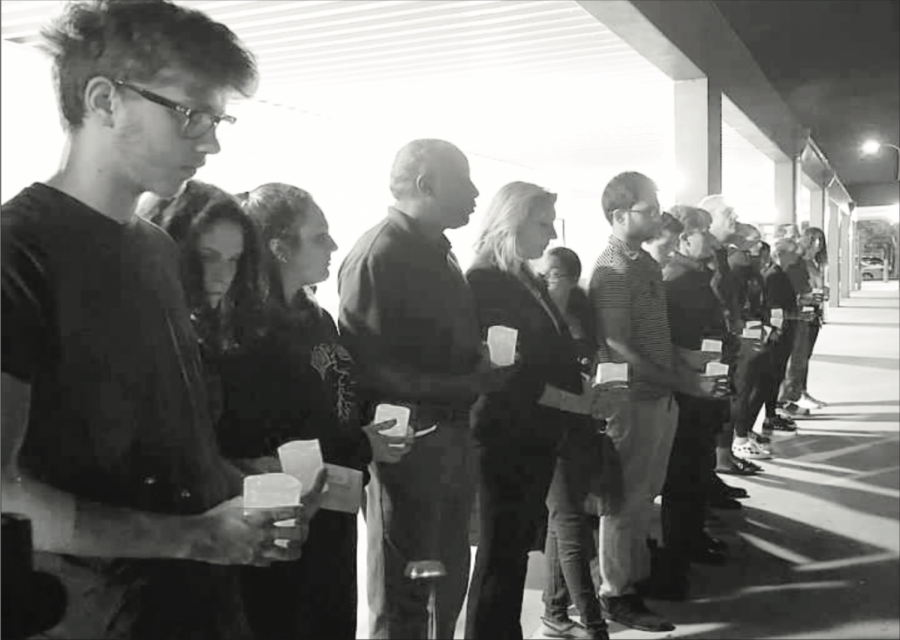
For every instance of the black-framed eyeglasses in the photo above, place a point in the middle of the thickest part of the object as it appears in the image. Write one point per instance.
(653, 212)
(194, 122)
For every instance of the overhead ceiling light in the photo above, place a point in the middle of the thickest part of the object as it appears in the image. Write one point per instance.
(871, 147)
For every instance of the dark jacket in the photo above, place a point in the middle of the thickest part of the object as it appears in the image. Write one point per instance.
(547, 352)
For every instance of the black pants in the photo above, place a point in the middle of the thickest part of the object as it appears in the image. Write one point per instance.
(749, 373)
(686, 490)
(772, 375)
(570, 544)
(313, 597)
(514, 480)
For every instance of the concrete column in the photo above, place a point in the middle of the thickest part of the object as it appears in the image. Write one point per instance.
(846, 256)
(833, 239)
(698, 139)
(817, 198)
(787, 190)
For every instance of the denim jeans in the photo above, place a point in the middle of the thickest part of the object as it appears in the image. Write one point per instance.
(514, 480)
(570, 543)
(418, 509)
(797, 374)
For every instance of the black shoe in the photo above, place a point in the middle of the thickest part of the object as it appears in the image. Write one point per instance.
(724, 503)
(727, 491)
(760, 438)
(708, 555)
(791, 410)
(706, 541)
(779, 423)
(653, 588)
(631, 611)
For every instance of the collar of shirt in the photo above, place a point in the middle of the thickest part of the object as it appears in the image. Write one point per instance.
(412, 226)
(624, 249)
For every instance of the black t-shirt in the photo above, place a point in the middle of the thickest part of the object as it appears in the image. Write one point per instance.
(695, 311)
(95, 321)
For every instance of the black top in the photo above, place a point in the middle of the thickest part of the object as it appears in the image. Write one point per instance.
(547, 352)
(780, 293)
(695, 312)
(296, 382)
(94, 319)
(404, 301)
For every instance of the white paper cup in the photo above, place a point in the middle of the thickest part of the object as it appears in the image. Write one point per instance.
(502, 345)
(711, 346)
(716, 369)
(301, 459)
(752, 333)
(385, 412)
(269, 490)
(609, 372)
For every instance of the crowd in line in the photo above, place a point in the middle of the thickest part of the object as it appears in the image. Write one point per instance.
(156, 351)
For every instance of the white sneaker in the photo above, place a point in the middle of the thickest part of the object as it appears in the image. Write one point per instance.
(750, 450)
(807, 403)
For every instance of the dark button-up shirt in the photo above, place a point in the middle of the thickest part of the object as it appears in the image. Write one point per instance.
(404, 301)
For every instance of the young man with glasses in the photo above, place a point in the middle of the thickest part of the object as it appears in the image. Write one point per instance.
(107, 442)
(629, 301)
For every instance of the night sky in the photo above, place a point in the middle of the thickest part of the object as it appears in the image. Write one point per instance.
(837, 64)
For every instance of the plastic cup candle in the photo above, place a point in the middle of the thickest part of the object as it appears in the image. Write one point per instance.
(711, 346)
(776, 318)
(502, 345)
(269, 490)
(610, 372)
(301, 459)
(385, 412)
(754, 333)
(716, 369)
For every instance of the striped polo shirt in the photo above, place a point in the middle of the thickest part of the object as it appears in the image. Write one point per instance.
(632, 280)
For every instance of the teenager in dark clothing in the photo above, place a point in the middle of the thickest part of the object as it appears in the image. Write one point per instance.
(108, 447)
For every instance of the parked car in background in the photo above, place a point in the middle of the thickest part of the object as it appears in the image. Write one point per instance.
(871, 261)
(872, 271)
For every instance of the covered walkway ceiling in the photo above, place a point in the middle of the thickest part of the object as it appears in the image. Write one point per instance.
(535, 83)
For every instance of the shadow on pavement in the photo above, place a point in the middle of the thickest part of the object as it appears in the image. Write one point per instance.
(760, 595)
(891, 364)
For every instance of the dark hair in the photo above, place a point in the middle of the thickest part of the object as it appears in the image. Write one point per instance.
(274, 207)
(185, 218)
(624, 191)
(811, 233)
(765, 247)
(670, 224)
(135, 40)
(569, 259)
(691, 218)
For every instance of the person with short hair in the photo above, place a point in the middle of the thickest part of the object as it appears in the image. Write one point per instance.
(108, 446)
(408, 317)
(780, 294)
(629, 300)
(663, 247)
(695, 314)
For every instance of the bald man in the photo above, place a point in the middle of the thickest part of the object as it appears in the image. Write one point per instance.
(408, 317)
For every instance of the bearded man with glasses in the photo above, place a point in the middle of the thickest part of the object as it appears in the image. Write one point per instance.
(108, 446)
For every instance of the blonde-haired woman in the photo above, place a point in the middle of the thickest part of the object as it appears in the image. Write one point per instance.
(518, 428)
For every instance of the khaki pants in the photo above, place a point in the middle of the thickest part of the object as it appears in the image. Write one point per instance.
(643, 431)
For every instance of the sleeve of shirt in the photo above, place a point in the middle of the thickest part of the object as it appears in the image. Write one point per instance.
(28, 338)
(368, 301)
(608, 289)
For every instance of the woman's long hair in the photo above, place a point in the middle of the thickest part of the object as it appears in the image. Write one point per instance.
(275, 207)
(186, 217)
(511, 207)
(810, 234)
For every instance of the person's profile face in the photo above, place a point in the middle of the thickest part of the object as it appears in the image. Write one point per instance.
(645, 217)
(452, 189)
(557, 276)
(150, 142)
(219, 249)
(309, 261)
(662, 247)
(536, 232)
